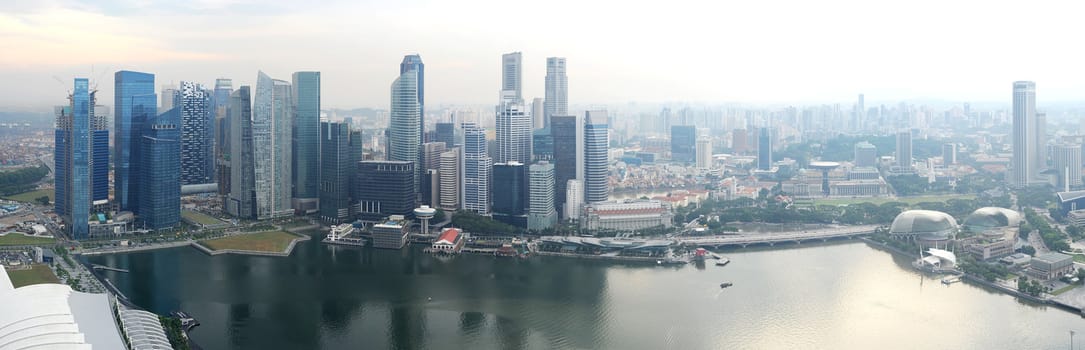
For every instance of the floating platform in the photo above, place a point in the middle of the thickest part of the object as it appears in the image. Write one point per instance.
(351, 241)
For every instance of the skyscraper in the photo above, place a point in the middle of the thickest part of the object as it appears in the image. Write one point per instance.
(221, 105)
(357, 154)
(904, 151)
(574, 198)
(160, 170)
(414, 63)
(510, 180)
(241, 201)
(1067, 161)
(511, 71)
(542, 144)
(563, 132)
(134, 100)
(764, 149)
(431, 161)
(557, 89)
(336, 169)
(1025, 162)
(386, 188)
(1041, 141)
(866, 155)
(271, 138)
(859, 115)
(405, 136)
(513, 131)
(169, 95)
(596, 157)
(683, 143)
(431, 154)
(538, 113)
(450, 186)
(738, 141)
(446, 132)
(73, 157)
(476, 170)
(949, 153)
(197, 136)
(306, 145)
(704, 153)
(541, 214)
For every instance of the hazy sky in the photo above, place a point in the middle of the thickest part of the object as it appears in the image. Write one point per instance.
(617, 51)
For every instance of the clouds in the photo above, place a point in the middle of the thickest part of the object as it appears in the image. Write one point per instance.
(618, 51)
(67, 37)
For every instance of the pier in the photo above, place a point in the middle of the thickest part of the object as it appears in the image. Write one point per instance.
(745, 240)
(108, 268)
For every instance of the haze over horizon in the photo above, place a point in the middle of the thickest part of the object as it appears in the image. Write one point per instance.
(617, 52)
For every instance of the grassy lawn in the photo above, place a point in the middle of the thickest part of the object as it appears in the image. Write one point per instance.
(1079, 258)
(271, 241)
(880, 200)
(1064, 289)
(16, 238)
(200, 218)
(38, 274)
(29, 196)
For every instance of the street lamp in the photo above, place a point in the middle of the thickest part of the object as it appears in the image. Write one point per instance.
(1071, 340)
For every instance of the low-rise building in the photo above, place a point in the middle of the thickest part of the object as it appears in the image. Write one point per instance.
(1050, 266)
(450, 241)
(1076, 217)
(626, 215)
(876, 187)
(390, 233)
(1016, 260)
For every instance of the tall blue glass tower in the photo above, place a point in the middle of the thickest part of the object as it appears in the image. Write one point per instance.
(134, 101)
(306, 153)
(414, 63)
(596, 187)
(73, 160)
(160, 170)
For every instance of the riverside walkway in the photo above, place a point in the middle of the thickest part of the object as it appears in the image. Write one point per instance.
(744, 240)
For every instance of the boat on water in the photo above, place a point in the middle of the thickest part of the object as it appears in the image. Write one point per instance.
(726, 284)
(723, 262)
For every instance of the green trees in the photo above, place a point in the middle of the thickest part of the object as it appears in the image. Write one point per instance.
(471, 222)
(1039, 197)
(1052, 237)
(989, 272)
(1030, 287)
(21, 180)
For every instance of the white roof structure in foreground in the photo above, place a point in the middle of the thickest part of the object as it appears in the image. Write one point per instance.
(143, 329)
(53, 316)
(943, 255)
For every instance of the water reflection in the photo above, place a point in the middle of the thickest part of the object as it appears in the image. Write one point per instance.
(811, 296)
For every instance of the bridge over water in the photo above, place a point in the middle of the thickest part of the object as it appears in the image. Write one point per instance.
(744, 240)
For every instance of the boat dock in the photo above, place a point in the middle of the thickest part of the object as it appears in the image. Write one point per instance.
(351, 241)
(951, 280)
(108, 268)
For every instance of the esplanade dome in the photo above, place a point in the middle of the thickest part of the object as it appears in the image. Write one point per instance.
(924, 225)
(992, 217)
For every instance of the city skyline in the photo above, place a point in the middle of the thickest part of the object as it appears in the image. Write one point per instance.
(768, 68)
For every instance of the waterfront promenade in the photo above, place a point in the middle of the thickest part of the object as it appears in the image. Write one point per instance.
(744, 240)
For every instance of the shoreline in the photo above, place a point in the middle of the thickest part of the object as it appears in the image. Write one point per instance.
(286, 252)
(301, 237)
(989, 285)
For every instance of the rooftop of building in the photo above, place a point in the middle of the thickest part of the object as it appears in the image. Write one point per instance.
(1052, 257)
(55, 316)
(449, 235)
